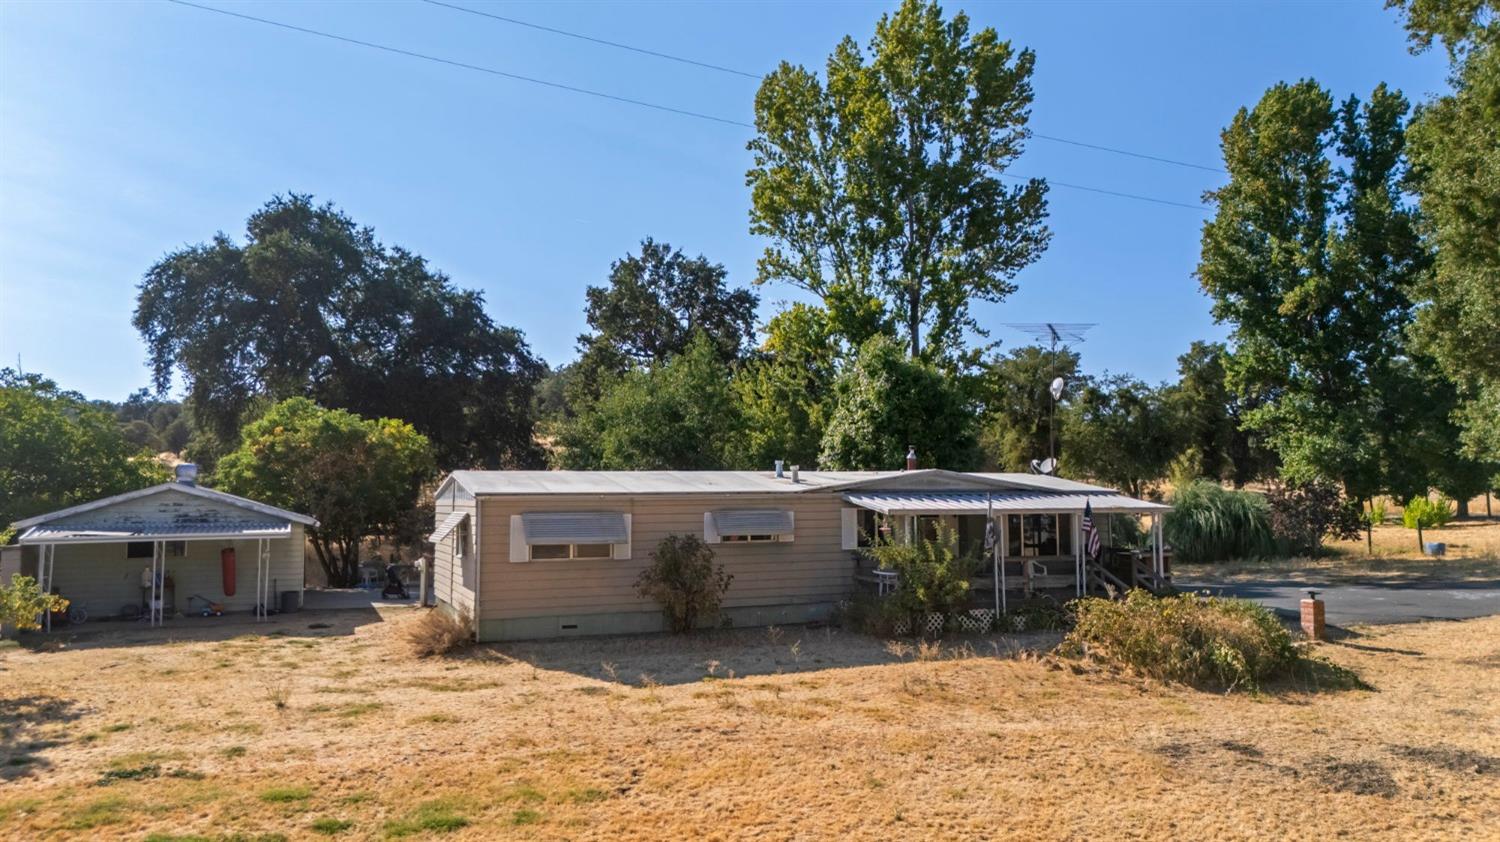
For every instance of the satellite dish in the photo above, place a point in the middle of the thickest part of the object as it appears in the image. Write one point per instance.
(1044, 466)
(1057, 388)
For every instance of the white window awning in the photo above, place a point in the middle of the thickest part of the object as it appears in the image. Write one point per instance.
(446, 526)
(754, 522)
(575, 528)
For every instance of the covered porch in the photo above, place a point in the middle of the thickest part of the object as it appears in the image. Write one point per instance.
(1040, 544)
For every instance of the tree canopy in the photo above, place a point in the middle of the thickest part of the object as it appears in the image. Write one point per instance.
(1455, 153)
(1017, 412)
(786, 390)
(313, 305)
(1120, 432)
(887, 403)
(58, 450)
(1312, 262)
(359, 477)
(880, 186)
(681, 414)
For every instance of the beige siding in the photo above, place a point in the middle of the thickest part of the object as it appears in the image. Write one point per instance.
(103, 579)
(810, 569)
(453, 578)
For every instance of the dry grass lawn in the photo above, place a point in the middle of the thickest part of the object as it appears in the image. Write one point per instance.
(227, 731)
(1473, 554)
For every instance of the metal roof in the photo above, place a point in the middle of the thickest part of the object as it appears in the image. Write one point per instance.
(739, 482)
(977, 503)
(185, 488)
(108, 533)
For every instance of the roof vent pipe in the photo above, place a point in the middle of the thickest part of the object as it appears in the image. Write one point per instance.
(795, 469)
(187, 473)
(911, 458)
(779, 472)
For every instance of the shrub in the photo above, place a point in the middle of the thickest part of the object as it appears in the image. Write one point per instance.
(1303, 514)
(683, 580)
(1209, 523)
(1376, 515)
(933, 577)
(1202, 641)
(22, 602)
(870, 615)
(439, 632)
(1422, 513)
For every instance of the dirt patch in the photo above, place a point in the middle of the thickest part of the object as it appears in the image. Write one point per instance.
(1360, 777)
(1450, 758)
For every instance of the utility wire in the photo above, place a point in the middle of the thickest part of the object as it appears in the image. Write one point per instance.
(669, 57)
(466, 66)
(587, 92)
(582, 37)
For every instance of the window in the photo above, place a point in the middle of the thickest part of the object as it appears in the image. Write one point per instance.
(927, 527)
(145, 549)
(1039, 535)
(760, 526)
(750, 539)
(552, 552)
(872, 528)
(971, 535)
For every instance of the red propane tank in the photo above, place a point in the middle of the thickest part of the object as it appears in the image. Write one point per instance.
(226, 561)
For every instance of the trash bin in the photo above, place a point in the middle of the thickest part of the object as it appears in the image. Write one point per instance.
(1436, 548)
(291, 602)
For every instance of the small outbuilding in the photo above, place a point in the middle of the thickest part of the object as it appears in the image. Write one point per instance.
(174, 547)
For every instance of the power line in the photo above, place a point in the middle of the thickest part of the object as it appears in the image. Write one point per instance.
(580, 36)
(588, 92)
(669, 57)
(1136, 196)
(465, 65)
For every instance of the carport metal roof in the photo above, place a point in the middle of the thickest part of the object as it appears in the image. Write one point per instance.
(977, 503)
(114, 533)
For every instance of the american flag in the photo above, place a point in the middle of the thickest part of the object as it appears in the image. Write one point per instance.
(1090, 534)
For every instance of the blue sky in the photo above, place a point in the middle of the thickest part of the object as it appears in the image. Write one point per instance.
(130, 129)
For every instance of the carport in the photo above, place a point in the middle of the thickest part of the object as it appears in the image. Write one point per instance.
(188, 538)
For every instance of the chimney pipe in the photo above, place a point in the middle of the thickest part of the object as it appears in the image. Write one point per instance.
(187, 473)
(795, 469)
(779, 472)
(911, 458)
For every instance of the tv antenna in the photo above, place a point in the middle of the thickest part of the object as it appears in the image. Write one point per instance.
(1052, 333)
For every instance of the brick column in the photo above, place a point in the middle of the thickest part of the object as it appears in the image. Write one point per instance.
(1312, 616)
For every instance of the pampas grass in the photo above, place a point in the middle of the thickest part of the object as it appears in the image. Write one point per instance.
(1210, 523)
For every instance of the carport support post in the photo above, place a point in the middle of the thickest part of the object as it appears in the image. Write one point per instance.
(1157, 557)
(45, 554)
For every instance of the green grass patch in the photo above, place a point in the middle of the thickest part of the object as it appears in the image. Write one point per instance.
(116, 727)
(524, 816)
(104, 811)
(433, 816)
(285, 794)
(128, 773)
(331, 827)
(586, 796)
(235, 751)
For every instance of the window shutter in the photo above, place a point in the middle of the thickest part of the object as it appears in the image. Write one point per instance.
(849, 520)
(710, 531)
(518, 547)
(622, 551)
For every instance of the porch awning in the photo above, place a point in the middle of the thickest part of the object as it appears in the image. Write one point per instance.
(168, 531)
(446, 526)
(575, 528)
(753, 522)
(974, 503)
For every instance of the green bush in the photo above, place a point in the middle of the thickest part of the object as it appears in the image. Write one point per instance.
(869, 614)
(1422, 513)
(933, 578)
(1227, 644)
(1376, 515)
(683, 580)
(1210, 523)
(22, 603)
